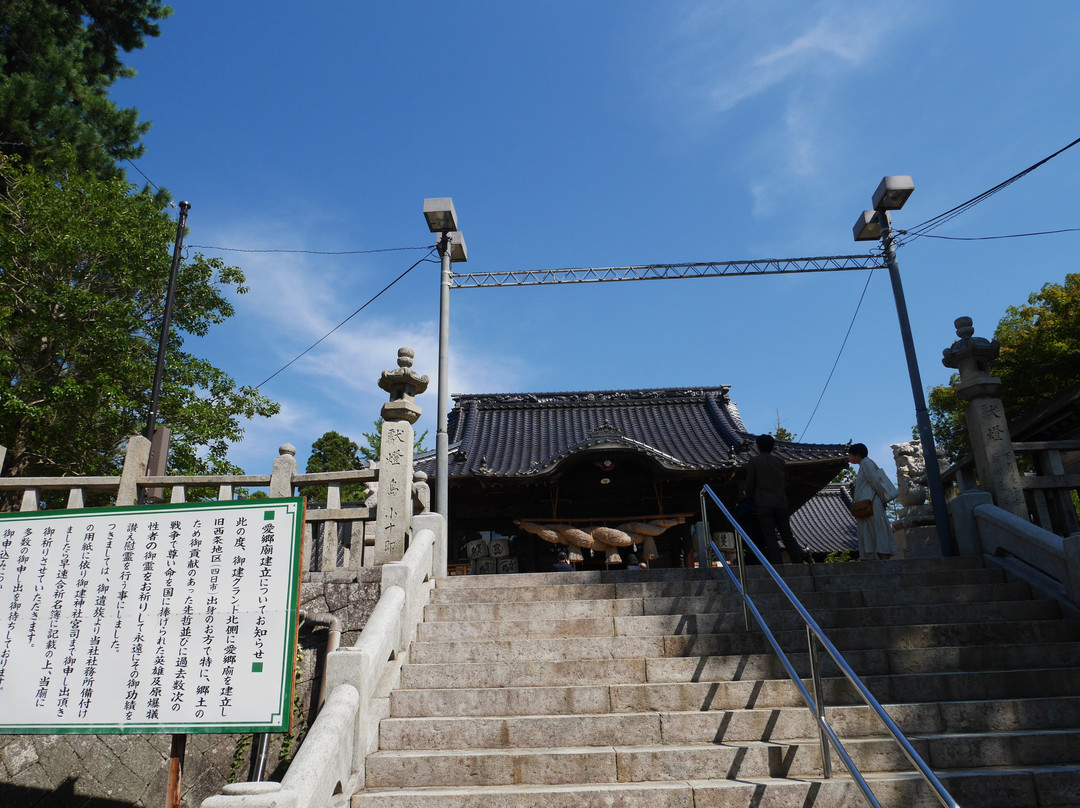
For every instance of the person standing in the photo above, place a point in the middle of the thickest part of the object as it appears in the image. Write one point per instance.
(561, 564)
(766, 485)
(872, 486)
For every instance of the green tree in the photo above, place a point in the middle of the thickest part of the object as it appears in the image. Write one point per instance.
(784, 434)
(334, 452)
(1040, 358)
(84, 268)
(57, 63)
(373, 442)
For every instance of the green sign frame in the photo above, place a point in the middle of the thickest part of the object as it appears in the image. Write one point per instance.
(152, 619)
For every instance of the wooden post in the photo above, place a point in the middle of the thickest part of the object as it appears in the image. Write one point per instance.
(176, 771)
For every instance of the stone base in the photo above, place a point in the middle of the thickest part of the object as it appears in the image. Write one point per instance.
(917, 542)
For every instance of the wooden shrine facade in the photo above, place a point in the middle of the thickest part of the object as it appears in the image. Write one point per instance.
(603, 458)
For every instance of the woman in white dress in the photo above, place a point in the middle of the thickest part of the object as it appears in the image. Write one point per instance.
(871, 483)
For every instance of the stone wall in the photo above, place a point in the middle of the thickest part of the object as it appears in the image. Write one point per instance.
(120, 771)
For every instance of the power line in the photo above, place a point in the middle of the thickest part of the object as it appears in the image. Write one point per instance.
(339, 325)
(310, 252)
(937, 221)
(869, 276)
(992, 238)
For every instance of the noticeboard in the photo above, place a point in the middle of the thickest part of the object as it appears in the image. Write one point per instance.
(172, 618)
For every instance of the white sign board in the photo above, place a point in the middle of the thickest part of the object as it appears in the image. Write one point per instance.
(173, 618)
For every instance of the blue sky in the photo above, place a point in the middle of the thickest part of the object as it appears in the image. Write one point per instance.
(607, 134)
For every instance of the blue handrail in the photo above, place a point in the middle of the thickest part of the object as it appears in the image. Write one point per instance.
(814, 635)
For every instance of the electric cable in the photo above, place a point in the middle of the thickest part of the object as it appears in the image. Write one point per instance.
(339, 325)
(869, 276)
(1013, 235)
(930, 224)
(310, 252)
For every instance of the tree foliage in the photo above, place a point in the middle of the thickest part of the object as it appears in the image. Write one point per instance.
(334, 452)
(84, 269)
(1040, 358)
(782, 432)
(57, 63)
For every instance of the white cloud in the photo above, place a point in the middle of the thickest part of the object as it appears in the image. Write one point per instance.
(774, 71)
(296, 300)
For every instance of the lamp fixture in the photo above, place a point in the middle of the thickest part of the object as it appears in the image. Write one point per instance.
(440, 215)
(893, 192)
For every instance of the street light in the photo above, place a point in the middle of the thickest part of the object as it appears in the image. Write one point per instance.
(442, 218)
(876, 224)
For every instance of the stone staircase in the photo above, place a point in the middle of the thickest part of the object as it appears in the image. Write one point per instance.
(643, 690)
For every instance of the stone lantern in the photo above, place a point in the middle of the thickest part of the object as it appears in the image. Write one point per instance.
(393, 511)
(991, 443)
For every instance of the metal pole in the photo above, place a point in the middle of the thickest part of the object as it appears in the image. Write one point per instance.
(819, 702)
(442, 445)
(181, 224)
(260, 751)
(922, 417)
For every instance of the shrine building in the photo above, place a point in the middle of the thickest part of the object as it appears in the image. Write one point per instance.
(531, 474)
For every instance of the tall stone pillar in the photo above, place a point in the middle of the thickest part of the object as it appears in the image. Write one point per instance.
(393, 501)
(991, 442)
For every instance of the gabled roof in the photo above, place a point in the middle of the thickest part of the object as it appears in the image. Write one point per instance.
(529, 435)
(824, 523)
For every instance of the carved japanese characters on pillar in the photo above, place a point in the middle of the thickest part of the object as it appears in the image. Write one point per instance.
(394, 496)
(988, 429)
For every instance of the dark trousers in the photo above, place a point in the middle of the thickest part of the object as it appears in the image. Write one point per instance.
(774, 520)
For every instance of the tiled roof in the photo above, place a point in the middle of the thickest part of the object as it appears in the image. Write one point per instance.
(528, 435)
(825, 523)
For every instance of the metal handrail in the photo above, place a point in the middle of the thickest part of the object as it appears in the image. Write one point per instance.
(813, 632)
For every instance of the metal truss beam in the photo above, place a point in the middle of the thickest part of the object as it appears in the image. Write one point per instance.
(659, 272)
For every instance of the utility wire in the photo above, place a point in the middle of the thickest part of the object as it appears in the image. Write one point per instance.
(931, 224)
(310, 252)
(869, 276)
(1014, 235)
(82, 114)
(339, 325)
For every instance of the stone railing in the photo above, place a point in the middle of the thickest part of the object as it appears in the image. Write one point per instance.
(329, 767)
(1048, 562)
(335, 537)
(1048, 490)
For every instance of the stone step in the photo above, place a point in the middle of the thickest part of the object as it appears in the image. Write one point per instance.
(742, 642)
(603, 764)
(811, 583)
(731, 667)
(724, 622)
(778, 724)
(530, 673)
(732, 695)
(841, 599)
(706, 586)
(910, 688)
(728, 601)
(735, 760)
(999, 787)
(830, 619)
(858, 568)
(865, 662)
(533, 610)
(598, 795)
(442, 595)
(541, 649)
(644, 688)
